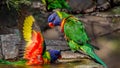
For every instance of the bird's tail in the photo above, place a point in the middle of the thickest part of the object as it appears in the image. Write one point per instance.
(87, 48)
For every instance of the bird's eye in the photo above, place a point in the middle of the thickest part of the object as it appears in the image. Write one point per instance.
(56, 54)
(53, 19)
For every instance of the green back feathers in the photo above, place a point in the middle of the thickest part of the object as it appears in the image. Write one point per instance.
(74, 30)
(88, 49)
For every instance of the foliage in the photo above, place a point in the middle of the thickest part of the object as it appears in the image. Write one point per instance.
(15, 3)
(116, 10)
(9, 10)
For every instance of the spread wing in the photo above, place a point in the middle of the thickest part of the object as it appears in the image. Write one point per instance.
(34, 42)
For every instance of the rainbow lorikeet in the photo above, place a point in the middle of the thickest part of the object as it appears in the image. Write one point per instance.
(35, 49)
(74, 32)
(56, 4)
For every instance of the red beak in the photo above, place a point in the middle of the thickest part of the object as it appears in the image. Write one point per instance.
(59, 57)
(51, 24)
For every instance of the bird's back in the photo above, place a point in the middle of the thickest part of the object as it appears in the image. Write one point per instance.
(74, 30)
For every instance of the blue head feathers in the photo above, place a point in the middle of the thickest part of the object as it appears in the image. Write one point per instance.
(54, 54)
(54, 20)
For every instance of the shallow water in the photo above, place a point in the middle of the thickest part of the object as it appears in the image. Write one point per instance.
(58, 65)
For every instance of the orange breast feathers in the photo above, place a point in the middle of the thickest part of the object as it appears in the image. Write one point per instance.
(62, 25)
(34, 49)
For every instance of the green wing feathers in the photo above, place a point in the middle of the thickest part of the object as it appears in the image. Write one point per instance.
(75, 31)
(73, 46)
(88, 49)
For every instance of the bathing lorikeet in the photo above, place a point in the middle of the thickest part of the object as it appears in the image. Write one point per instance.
(56, 4)
(35, 50)
(75, 33)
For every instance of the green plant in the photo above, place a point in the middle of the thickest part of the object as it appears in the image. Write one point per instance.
(116, 10)
(14, 3)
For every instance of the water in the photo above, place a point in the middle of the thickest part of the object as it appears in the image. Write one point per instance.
(58, 65)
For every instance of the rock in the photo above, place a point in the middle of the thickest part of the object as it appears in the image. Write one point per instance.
(21, 47)
(83, 5)
(39, 6)
(1, 56)
(117, 2)
(72, 55)
(96, 26)
(56, 44)
(8, 45)
(100, 2)
(51, 34)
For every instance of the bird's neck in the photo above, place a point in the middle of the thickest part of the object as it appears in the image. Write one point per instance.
(63, 16)
(46, 57)
(63, 22)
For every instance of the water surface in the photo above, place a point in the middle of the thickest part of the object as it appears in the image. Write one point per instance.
(58, 65)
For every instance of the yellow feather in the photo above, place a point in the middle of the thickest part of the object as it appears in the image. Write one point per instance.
(59, 14)
(27, 27)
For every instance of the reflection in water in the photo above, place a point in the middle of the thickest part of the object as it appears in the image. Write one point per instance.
(59, 65)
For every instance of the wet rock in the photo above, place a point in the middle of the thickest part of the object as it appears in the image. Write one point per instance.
(89, 66)
(72, 55)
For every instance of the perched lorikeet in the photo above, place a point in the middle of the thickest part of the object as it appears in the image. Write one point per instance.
(74, 32)
(35, 50)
